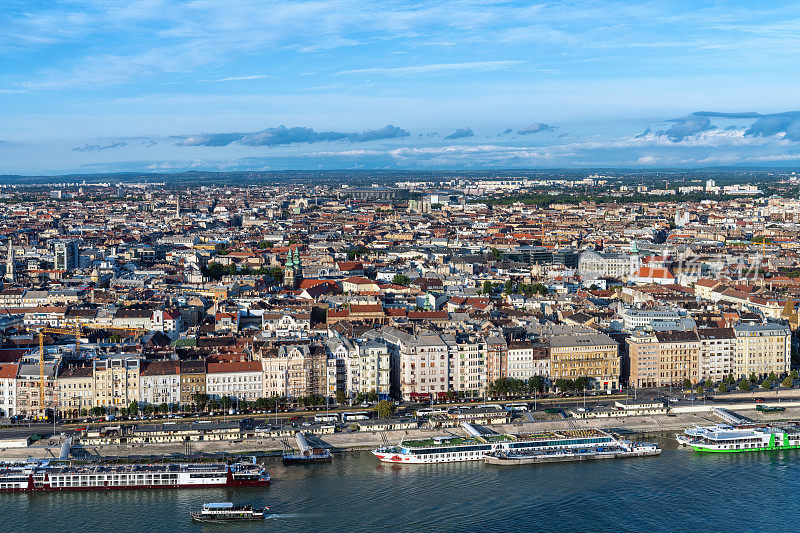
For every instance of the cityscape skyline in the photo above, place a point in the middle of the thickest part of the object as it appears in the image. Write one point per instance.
(172, 86)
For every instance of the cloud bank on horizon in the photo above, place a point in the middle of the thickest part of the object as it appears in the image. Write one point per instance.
(166, 85)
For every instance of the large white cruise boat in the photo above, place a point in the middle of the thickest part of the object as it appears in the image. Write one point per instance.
(477, 446)
(741, 438)
(42, 475)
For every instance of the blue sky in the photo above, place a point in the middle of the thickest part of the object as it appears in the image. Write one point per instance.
(97, 86)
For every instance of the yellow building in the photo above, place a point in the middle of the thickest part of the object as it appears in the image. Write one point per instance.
(115, 382)
(592, 355)
(75, 390)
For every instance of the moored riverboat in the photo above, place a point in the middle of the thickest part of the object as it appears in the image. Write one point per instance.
(722, 438)
(477, 446)
(46, 476)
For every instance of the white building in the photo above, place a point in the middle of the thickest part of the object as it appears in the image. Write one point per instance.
(375, 368)
(239, 380)
(160, 382)
(761, 349)
(8, 389)
(717, 353)
(468, 363)
(526, 359)
(654, 319)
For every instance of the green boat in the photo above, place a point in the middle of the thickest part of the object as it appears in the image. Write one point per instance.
(770, 408)
(745, 438)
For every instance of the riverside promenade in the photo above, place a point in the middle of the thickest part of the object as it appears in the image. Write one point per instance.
(678, 419)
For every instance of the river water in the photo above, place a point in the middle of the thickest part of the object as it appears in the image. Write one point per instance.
(677, 491)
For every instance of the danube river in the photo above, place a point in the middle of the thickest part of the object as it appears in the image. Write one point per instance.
(679, 490)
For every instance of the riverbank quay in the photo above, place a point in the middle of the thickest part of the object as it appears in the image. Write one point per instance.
(678, 419)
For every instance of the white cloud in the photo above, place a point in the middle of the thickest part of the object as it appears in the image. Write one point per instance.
(436, 67)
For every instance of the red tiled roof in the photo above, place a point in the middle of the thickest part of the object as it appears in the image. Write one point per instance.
(234, 366)
(8, 370)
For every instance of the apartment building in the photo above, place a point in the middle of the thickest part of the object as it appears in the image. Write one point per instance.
(593, 355)
(75, 390)
(8, 389)
(160, 382)
(644, 355)
(468, 356)
(527, 359)
(679, 357)
(717, 353)
(297, 370)
(115, 382)
(761, 349)
(32, 399)
(192, 380)
(238, 380)
(375, 368)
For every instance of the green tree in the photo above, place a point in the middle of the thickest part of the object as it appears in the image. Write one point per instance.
(163, 408)
(133, 408)
(496, 254)
(147, 409)
(772, 377)
(487, 287)
(766, 384)
(536, 383)
(787, 383)
(341, 397)
(731, 379)
(509, 287)
(225, 402)
(744, 385)
(581, 383)
(723, 387)
(401, 279)
(386, 409)
(753, 377)
(276, 273)
(687, 384)
(699, 388)
(201, 400)
(794, 374)
(98, 411)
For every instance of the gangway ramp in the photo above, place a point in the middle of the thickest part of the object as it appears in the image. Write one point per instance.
(729, 416)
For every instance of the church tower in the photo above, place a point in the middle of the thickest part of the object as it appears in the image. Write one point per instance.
(635, 259)
(11, 274)
(293, 272)
(289, 272)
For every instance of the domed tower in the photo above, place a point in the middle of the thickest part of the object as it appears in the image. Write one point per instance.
(636, 260)
(290, 270)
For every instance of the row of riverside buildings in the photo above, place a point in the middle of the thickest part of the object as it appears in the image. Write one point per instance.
(395, 363)
(670, 357)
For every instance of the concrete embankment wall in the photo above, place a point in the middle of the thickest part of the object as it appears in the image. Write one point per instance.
(677, 420)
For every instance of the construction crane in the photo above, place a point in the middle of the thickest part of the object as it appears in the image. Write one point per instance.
(76, 331)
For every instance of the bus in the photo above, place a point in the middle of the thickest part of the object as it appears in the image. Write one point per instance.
(516, 407)
(349, 417)
(430, 411)
(332, 417)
